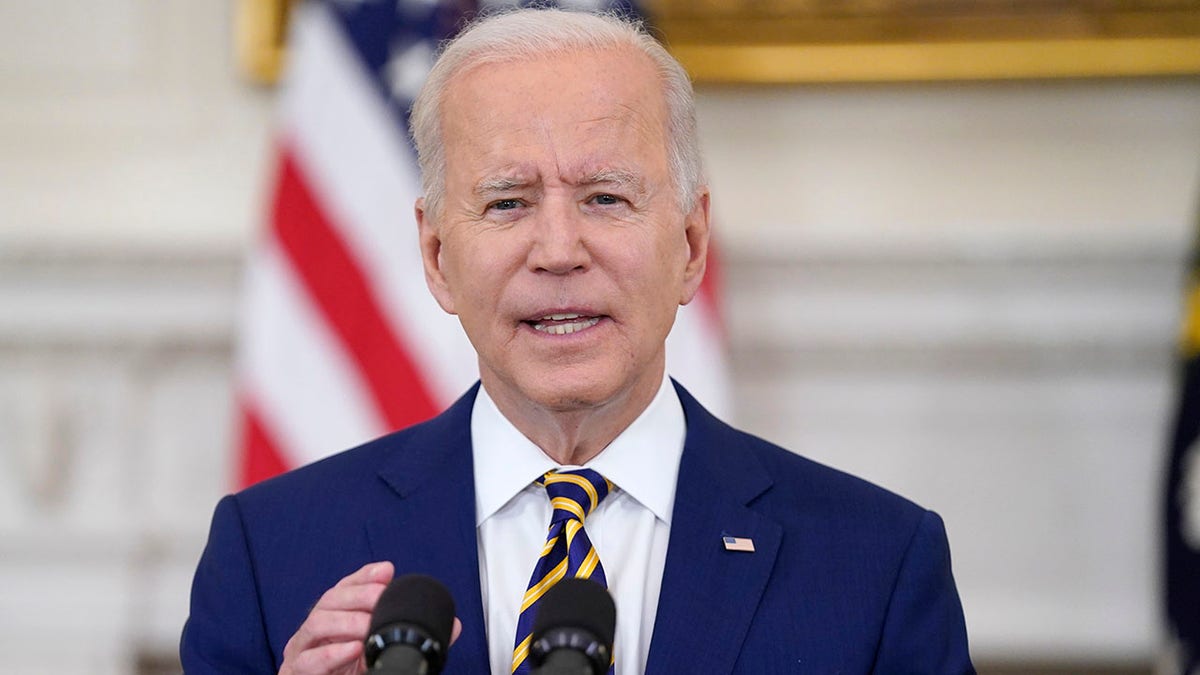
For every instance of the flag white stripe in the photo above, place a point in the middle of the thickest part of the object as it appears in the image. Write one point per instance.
(365, 176)
(316, 412)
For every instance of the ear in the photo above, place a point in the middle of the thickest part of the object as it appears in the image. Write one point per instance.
(431, 258)
(696, 230)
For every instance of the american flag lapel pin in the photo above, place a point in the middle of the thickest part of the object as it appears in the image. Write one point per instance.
(738, 544)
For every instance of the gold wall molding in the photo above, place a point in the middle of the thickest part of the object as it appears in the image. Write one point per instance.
(926, 61)
(820, 41)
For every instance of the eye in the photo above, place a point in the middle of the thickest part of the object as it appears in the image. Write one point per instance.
(606, 200)
(505, 205)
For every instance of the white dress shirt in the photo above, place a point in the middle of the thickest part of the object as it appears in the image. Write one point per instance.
(629, 529)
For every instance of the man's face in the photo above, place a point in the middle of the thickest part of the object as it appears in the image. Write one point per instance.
(560, 243)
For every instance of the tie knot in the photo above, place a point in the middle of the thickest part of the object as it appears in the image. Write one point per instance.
(575, 493)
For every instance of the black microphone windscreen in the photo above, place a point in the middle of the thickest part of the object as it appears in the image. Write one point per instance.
(418, 600)
(577, 603)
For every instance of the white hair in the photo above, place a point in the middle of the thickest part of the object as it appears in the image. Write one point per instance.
(526, 34)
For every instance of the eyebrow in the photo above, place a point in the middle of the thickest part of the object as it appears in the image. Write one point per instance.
(618, 177)
(495, 184)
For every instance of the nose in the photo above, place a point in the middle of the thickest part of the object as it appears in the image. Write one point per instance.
(558, 245)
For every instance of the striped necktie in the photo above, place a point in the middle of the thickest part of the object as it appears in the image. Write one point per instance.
(568, 552)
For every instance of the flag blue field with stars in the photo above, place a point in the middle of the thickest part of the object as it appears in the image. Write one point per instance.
(397, 40)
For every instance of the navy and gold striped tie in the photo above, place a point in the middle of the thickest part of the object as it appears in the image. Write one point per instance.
(568, 552)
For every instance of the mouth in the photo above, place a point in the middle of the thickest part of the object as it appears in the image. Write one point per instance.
(562, 324)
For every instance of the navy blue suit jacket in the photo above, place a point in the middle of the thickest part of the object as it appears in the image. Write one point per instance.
(845, 577)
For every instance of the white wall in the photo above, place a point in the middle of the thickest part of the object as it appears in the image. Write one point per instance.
(967, 293)
(131, 160)
(970, 294)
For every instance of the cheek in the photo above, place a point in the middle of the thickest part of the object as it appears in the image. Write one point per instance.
(477, 275)
(670, 260)
(464, 259)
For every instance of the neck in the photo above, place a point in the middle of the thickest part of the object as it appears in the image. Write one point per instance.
(575, 434)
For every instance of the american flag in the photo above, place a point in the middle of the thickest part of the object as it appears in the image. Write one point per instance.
(738, 544)
(1181, 502)
(340, 341)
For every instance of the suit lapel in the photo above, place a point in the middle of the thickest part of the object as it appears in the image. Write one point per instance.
(429, 525)
(709, 594)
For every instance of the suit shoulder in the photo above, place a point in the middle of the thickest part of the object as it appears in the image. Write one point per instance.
(798, 486)
(798, 480)
(411, 451)
(355, 468)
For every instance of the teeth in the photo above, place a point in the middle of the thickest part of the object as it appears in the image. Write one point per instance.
(559, 317)
(565, 328)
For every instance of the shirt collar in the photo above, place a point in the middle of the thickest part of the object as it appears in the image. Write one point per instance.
(643, 460)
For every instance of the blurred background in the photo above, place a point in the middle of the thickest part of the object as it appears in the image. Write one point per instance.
(954, 255)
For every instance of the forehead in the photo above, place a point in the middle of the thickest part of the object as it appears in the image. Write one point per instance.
(583, 107)
(609, 71)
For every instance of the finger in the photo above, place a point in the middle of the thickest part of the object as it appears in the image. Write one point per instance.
(457, 630)
(359, 590)
(331, 658)
(376, 573)
(325, 627)
(359, 598)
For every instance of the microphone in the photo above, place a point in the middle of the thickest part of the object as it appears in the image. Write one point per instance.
(410, 627)
(573, 630)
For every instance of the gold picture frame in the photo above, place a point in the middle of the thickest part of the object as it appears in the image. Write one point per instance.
(831, 41)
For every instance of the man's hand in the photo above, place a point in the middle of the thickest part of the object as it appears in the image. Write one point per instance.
(330, 641)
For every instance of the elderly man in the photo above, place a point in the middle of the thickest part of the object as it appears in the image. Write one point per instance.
(564, 221)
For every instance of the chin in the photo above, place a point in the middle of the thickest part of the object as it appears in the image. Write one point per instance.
(567, 391)
(570, 398)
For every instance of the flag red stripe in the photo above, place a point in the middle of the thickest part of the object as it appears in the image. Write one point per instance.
(710, 287)
(259, 457)
(349, 303)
